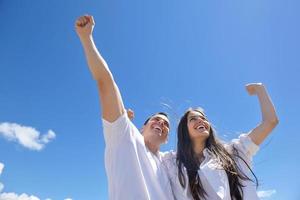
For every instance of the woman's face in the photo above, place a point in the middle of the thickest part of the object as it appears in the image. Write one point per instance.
(198, 126)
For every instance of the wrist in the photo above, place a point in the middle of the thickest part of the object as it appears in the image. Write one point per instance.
(87, 38)
(261, 89)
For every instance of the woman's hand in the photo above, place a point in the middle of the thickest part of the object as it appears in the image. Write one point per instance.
(254, 88)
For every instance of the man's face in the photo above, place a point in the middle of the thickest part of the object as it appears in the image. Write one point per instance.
(157, 129)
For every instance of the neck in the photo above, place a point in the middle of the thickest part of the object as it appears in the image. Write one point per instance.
(154, 148)
(198, 148)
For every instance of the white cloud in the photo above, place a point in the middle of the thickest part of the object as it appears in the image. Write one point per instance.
(266, 193)
(1, 167)
(1, 186)
(14, 196)
(27, 136)
(11, 195)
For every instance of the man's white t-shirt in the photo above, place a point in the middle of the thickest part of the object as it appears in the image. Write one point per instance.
(133, 172)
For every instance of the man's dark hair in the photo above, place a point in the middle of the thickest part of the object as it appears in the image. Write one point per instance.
(159, 113)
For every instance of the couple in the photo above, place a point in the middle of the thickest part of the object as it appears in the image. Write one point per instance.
(203, 166)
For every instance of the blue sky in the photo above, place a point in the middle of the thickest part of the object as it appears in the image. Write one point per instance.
(179, 53)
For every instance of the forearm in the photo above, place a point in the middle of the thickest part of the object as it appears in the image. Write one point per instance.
(269, 117)
(267, 107)
(96, 63)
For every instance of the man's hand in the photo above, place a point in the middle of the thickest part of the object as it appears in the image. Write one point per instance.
(254, 88)
(130, 114)
(84, 26)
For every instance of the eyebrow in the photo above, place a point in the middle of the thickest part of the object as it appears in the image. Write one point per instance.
(158, 117)
(197, 116)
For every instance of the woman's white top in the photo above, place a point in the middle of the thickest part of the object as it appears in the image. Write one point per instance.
(213, 178)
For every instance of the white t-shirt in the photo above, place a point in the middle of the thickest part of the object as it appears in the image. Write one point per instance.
(213, 178)
(134, 173)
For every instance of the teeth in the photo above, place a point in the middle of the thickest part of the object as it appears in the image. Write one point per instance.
(200, 127)
(158, 128)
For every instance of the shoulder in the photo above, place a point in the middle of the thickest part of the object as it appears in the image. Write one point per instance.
(118, 130)
(121, 120)
(167, 155)
(170, 164)
(168, 159)
(244, 146)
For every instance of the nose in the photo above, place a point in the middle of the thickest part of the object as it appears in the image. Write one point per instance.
(161, 121)
(200, 120)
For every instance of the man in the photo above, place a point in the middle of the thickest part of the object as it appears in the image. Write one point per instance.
(132, 160)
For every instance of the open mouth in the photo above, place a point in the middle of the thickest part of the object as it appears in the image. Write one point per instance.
(201, 128)
(157, 129)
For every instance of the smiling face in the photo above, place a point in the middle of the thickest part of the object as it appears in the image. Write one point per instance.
(157, 129)
(198, 126)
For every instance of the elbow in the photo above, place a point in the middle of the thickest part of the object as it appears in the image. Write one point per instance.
(272, 123)
(275, 121)
(105, 85)
(104, 80)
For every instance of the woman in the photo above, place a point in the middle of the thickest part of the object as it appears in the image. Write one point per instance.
(206, 168)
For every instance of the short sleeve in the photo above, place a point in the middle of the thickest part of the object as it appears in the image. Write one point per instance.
(245, 147)
(117, 130)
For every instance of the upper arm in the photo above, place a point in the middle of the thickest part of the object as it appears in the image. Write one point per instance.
(260, 133)
(110, 100)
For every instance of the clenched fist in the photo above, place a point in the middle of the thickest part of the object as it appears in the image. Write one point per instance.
(254, 88)
(84, 26)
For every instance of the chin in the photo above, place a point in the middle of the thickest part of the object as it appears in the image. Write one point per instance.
(202, 135)
(164, 141)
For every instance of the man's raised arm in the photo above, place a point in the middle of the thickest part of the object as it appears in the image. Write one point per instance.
(111, 100)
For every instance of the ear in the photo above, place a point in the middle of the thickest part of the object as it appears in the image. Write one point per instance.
(166, 141)
(142, 129)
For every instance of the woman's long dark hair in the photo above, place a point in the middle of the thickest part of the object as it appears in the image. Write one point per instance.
(187, 158)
